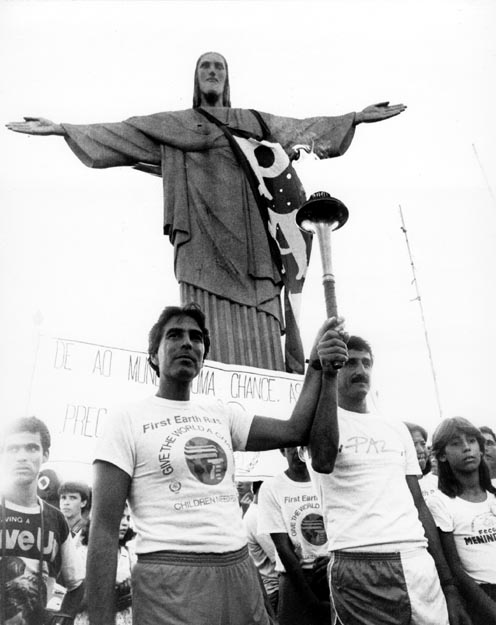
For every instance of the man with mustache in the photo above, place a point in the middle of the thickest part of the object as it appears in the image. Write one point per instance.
(386, 562)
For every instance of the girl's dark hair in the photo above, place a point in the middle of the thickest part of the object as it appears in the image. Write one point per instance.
(445, 432)
(414, 427)
(226, 95)
(485, 429)
(190, 310)
(129, 535)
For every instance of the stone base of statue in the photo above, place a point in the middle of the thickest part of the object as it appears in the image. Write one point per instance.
(240, 335)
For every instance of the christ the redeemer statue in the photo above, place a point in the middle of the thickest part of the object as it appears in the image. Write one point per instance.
(232, 252)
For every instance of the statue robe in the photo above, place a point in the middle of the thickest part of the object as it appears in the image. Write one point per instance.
(222, 257)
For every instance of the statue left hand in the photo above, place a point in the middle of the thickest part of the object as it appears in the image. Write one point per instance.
(378, 112)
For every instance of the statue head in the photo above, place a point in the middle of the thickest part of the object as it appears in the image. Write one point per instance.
(211, 81)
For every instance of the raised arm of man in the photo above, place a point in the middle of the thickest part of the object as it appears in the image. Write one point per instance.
(270, 433)
(324, 434)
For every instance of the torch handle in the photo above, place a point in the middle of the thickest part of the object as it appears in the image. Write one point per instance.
(331, 304)
(330, 295)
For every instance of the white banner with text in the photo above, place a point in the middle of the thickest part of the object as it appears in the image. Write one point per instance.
(76, 382)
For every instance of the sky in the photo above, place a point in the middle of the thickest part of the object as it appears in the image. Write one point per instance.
(82, 252)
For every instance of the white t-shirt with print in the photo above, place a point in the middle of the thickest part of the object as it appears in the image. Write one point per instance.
(428, 485)
(262, 550)
(474, 530)
(293, 508)
(179, 455)
(366, 501)
(22, 553)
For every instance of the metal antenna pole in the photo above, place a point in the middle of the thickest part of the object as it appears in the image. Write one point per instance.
(491, 192)
(419, 299)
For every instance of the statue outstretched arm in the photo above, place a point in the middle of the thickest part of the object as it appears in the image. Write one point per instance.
(327, 136)
(36, 126)
(96, 145)
(378, 112)
(127, 143)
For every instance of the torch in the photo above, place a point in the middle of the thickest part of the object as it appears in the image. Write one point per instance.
(320, 215)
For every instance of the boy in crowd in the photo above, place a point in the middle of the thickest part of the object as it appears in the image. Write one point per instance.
(74, 500)
(290, 512)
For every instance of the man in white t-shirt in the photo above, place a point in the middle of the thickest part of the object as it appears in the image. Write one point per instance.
(173, 459)
(381, 534)
(289, 510)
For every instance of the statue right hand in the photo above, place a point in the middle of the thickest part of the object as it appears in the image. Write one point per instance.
(36, 126)
(378, 112)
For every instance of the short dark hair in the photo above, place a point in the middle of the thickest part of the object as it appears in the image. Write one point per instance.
(29, 424)
(445, 431)
(360, 345)
(485, 429)
(256, 486)
(226, 95)
(189, 310)
(414, 427)
(75, 487)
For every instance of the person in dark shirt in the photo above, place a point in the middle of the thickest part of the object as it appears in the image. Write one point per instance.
(36, 544)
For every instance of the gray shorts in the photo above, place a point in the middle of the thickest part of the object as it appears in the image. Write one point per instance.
(181, 588)
(385, 589)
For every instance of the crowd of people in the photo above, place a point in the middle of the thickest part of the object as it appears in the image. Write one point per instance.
(367, 525)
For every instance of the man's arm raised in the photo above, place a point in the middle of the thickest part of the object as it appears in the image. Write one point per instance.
(110, 492)
(324, 435)
(269, 433)
(36, 126)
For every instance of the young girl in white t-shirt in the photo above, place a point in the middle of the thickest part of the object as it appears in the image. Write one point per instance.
(464, 509)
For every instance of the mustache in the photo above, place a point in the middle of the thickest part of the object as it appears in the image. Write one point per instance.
(360, 378)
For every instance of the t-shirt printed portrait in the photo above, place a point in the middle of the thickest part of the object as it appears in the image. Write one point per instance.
(206, 460)
(180, 457)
